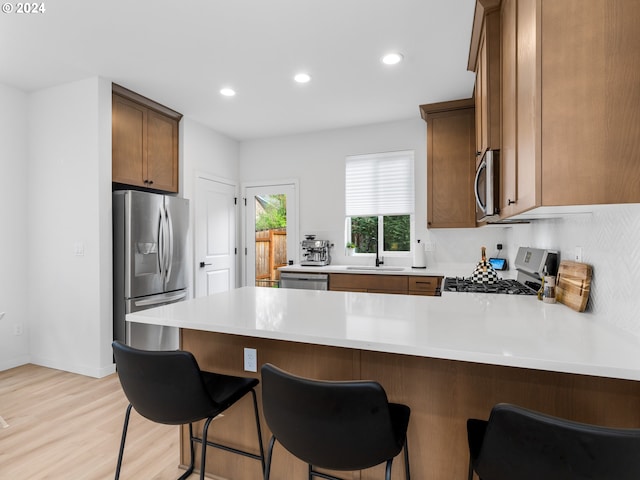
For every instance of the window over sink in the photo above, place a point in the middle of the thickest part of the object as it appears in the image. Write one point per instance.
(379, 202)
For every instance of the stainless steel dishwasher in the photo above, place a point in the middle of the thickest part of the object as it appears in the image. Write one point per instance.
(304, 281)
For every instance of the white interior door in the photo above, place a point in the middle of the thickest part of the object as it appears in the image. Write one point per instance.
(257, 198)
(215, 236)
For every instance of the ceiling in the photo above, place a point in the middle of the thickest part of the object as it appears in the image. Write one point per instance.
(181, 53)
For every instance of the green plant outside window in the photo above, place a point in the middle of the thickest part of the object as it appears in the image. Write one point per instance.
(395, 231)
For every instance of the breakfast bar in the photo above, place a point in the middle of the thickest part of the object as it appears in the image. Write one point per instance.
(449, 358)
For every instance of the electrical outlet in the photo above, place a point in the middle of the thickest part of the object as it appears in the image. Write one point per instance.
(577, 255)
(78, 249)
(17, 329)
(250, 360)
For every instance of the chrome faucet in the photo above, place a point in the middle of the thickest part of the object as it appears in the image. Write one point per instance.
(379, 259)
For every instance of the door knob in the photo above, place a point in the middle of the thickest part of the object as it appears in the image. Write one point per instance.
(202, 264)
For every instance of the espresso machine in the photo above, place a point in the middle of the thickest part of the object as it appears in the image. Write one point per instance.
(315, 252)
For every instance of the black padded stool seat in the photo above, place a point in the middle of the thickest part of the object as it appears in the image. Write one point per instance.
(168, 387)
(336, 425)
(517, 443)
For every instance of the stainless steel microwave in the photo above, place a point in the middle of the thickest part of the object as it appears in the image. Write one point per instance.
(487, 187)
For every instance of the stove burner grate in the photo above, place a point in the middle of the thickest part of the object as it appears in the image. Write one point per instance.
(504, 286)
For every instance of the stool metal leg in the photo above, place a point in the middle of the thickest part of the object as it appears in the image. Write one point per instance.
(189, 471)
(124, 437)
(203, 460)
(407, 473)
(267, 468)
(255, 409)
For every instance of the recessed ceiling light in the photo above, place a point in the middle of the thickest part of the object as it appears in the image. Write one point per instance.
(392, 58)
(228, 92)
(302, 78)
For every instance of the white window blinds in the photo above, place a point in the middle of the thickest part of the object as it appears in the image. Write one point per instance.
(379, 184)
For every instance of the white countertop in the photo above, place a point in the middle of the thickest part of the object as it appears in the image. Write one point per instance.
(508, 330)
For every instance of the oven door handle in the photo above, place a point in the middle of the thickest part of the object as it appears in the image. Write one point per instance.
(476, 186)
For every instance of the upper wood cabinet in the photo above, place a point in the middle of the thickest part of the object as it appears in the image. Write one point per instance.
(144, 142)
(451, 152)
(569, 94)
(590, 93)
(484, 59)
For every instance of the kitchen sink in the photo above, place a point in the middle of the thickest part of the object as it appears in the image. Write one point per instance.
(377, 269)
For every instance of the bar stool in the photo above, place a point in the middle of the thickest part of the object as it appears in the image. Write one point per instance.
(168, 387)
(516, 443)
(335, 425)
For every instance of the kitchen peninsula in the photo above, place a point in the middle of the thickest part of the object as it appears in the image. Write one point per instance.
(449, 358)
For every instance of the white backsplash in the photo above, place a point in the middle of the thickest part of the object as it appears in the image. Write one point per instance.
(610, 241)
(454, 246)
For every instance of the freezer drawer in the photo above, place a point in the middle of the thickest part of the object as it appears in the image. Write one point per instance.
(142, 303)
(152, 337)
(305, 281)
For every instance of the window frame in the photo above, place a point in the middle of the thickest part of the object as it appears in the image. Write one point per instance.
(380, 160)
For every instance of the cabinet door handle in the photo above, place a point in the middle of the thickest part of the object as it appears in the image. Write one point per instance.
(202, 264)
(510, 202)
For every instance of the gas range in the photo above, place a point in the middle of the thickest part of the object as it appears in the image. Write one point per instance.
(508, 286)
(531, 264)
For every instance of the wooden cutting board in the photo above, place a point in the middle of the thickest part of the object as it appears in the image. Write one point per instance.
(573, 284)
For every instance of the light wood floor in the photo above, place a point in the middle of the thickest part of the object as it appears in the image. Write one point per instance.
(68, 426)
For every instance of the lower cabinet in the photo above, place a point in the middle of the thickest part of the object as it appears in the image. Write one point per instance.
(398, 284)
(425, 285)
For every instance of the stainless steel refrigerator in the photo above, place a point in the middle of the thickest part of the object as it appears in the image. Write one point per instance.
(149, 263)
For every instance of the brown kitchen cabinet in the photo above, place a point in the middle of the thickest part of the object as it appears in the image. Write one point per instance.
(569, 95)
(486, 64)
(348, 282)
(425, 285)
(144, 142)
(451, 153)
(396, 284)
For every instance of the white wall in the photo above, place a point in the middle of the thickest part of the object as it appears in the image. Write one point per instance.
(207, 153)
(69, 206)
(610, 241)
(317, 161)
(14, 350)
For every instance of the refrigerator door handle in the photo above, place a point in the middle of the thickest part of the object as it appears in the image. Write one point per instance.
(161, 252)
(169, 246)
(155, 301)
